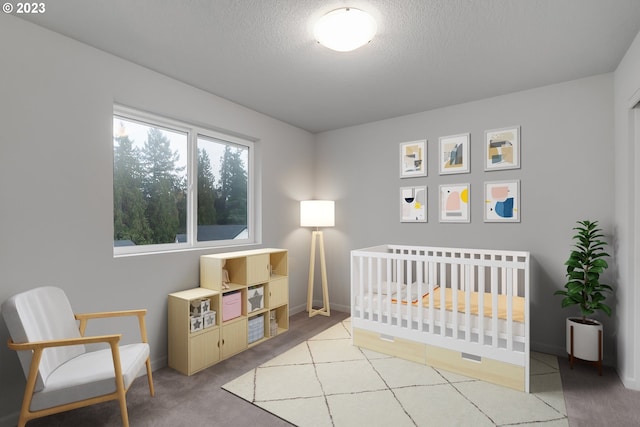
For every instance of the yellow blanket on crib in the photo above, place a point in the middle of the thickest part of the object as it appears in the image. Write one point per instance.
(517, 303)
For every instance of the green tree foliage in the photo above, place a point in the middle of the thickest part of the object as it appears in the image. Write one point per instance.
(163, 187)
(129, 203)
(232, 205)
(206, 190)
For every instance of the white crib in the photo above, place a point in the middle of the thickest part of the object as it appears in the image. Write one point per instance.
(462, 310)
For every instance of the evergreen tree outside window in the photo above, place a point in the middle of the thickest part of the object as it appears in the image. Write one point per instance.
(177, 186)
(222, 189)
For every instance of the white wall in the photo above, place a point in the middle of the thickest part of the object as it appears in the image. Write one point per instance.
(56, 104)
(627, 209)
(566, 175)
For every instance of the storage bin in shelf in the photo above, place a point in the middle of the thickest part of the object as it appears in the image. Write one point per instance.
(197, 323)
(255, 298)
(256, 329)
(209, 319)
(231, 305)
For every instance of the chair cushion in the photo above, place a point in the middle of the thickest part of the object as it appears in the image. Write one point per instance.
(89, 375)
(37, 315)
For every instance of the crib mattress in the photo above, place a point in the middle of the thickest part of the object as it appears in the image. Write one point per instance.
(487, 303)
(381, 304)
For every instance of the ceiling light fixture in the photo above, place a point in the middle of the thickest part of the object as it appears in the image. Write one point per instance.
(345, 29)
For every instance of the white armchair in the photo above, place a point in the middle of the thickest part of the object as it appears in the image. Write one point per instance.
(61, 374)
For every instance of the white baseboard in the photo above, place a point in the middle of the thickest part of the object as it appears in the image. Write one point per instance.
(630, 383)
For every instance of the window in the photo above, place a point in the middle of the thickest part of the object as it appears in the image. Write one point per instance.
(177, 186)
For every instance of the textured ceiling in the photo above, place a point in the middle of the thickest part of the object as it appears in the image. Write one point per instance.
(427, 53)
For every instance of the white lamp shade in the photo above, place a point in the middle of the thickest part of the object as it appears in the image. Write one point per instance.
(345, 29)
(317, 213)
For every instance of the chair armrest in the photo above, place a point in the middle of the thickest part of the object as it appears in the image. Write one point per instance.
(37, 347)
(104, 314)
(34, 345)
(140, 313)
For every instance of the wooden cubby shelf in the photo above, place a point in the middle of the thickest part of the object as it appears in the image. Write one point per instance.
(249, 292)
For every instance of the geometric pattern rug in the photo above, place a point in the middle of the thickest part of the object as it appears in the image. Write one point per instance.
(326, 381)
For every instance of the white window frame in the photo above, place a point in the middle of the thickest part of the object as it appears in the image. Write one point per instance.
(193, 132)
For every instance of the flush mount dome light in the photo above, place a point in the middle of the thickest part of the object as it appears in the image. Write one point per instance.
(345, 29)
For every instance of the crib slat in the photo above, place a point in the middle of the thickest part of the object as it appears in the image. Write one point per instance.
(361, 285)
(494, 307)
(369, 287)
(382, 284)
(389, 281)
(432, 283)
(467, 302)
(420, 272)
(455, 286)
(443, 284)
(399, 279)
(409, 274)
(481, 291)
(509, 310)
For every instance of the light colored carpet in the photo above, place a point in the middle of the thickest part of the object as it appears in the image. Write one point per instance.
(326, 381)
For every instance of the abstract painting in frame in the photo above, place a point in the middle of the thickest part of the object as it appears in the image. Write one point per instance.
(454, 154)
(454, 203)
(413, 204)
(502, 201)
(502, 148)
(413, 158)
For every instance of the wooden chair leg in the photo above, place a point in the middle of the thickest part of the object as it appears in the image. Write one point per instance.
(150, 378)
(25, 411)
(123, 409)
(120, 390)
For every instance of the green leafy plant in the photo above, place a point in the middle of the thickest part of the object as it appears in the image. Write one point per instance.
(584, 266)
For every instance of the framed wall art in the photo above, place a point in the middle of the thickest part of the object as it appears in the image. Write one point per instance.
(502, 201)
(413, 158)
(502, 148)
(454, 203)
(413, 204)
(454, 154)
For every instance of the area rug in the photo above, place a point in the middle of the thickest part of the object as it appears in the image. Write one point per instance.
(326, 381)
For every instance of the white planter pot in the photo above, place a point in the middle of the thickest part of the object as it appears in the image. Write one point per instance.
(585, 339)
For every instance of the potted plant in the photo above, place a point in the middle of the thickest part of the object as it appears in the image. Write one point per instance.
(583, 288)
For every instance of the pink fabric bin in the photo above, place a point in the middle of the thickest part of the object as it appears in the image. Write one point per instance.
(231, 306)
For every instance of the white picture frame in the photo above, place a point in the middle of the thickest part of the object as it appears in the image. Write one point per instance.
(502, 148)
(455, 203)
(454, 154)
(502, 201)
(413, 158)
(413, 204)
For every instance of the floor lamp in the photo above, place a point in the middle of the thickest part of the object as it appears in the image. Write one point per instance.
(317, 213)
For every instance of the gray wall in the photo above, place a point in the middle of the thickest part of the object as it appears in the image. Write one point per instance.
(56, 104)
(627, 210)
(566, 174)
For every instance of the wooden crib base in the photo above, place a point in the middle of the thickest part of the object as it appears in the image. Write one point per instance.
(486, 369)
